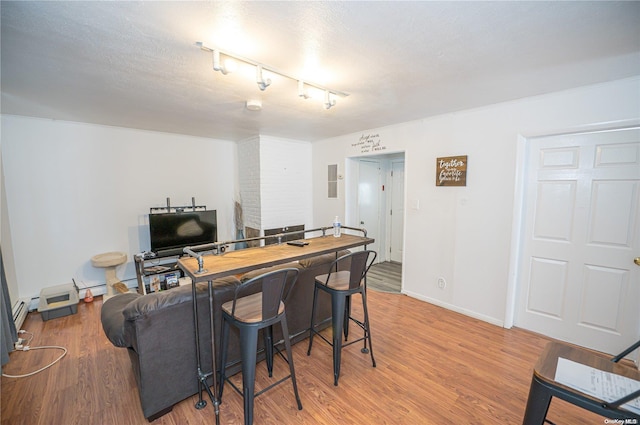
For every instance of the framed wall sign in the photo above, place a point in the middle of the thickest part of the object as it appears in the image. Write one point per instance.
(451, 171)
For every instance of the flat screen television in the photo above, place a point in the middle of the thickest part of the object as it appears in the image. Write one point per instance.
(171, 232)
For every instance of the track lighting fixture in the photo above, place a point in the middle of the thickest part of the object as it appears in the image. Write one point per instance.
(301, 91)
(262, 83)
(328, 100)
(228, 66)
(217, 66)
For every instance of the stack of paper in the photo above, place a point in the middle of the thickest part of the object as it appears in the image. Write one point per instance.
(606, 386)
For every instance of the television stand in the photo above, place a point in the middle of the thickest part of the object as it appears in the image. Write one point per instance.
(157, 272)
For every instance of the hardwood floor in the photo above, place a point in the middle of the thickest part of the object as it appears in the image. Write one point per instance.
(434, 366)
(385, 277)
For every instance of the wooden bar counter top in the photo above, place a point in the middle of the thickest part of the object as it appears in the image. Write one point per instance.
(244, 260)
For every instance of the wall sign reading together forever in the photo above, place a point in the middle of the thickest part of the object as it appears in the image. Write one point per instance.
(451, 171)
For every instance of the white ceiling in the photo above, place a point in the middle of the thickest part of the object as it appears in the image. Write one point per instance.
(136, 64)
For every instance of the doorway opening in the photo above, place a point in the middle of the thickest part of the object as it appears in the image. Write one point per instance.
(374, 200)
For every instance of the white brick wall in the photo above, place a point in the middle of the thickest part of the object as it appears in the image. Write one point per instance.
(285, 182)
(275, 182)
(249, 181)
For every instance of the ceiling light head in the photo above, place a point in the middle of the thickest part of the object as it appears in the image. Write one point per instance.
(301, 91)
(227, 67)
(254, 105)
(328, 100)
(262, 83)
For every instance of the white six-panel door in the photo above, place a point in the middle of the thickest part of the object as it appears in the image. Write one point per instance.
(577, 279)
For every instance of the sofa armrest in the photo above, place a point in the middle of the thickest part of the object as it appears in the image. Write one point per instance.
(113, 320)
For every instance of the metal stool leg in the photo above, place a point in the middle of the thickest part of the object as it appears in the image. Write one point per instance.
(537, 404)
(367, 329)
(248, 347)
(338, 304)
(267, 334)
(313, 316)
(223, 356)
(347, 314)
(287, 344)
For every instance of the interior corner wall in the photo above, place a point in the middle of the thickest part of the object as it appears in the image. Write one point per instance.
(5, 239)
(74, 190)
(464, 234)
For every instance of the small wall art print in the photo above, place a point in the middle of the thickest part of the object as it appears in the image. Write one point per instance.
(451, 171)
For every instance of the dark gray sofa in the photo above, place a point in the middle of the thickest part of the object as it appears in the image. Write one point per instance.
(157, 330)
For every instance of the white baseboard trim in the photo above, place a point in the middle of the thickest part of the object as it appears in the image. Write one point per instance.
(470, 313)
(99, 289)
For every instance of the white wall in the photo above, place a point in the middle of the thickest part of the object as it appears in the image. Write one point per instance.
(275, 182)
(76, 190)
(249, 182)
(285, 182)
(464, 234)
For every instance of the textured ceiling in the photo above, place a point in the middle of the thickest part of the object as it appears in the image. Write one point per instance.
(137, 65)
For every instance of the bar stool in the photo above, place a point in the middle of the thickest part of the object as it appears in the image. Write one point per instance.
(341, 285)
(544, 385)
(251, 311)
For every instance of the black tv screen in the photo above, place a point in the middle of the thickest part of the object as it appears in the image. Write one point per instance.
(171, 232)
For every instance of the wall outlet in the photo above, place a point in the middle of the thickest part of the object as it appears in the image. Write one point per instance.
(442, 283)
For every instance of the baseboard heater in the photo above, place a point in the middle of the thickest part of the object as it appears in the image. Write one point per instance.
(20, 310)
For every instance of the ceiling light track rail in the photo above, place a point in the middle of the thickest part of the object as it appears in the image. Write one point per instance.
(263, 83)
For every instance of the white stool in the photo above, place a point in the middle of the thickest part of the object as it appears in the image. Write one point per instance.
(109, 261)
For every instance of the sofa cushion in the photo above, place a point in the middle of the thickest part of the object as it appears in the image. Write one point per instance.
(160, 300)
(322, 259)
(258, 272)
(113, 320)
